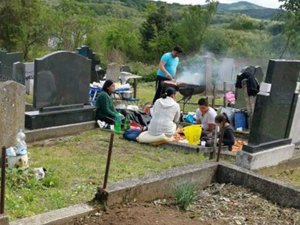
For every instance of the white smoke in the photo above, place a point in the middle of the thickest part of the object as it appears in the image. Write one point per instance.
(191, 77)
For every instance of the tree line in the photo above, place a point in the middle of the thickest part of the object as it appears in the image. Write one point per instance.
(140, 31)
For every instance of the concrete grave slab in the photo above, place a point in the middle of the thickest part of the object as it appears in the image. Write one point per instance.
(12, 101)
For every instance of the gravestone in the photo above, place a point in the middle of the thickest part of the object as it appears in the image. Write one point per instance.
(226, 73)
(61, 86)
(87, 52)
(271, 118)
(29, 77)
(12, 101)
(7, 60)
(19, 72)
(295, 121)
(113, 72)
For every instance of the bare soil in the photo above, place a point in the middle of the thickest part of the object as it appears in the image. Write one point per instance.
(216, 205)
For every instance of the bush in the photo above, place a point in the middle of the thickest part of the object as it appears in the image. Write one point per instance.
(185, 193)
(148, 72)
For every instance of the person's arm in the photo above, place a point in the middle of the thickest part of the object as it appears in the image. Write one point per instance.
(198, 120)
(211, 120)
(177, 115)
(211, 126)
(108, 108)
(228, 137)
(163, 69)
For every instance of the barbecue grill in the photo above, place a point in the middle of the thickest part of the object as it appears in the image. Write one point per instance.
(186, 90)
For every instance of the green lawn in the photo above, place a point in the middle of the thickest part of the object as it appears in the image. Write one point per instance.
(76, 166)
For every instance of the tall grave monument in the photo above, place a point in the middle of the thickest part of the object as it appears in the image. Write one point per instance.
(61, 86)
(6, 65)
(269, 141)
(87, 52)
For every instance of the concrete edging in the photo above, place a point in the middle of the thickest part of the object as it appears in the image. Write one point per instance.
(161, 185)
(57, 217)
(58, 131)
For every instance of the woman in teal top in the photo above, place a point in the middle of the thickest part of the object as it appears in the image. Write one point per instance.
(105, 110)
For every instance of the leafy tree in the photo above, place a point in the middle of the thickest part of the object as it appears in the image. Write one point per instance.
(157, 22)
(123, 36)
(35, 32)
(292, 22)
(73, 23)
(23, 24)
(194, 24)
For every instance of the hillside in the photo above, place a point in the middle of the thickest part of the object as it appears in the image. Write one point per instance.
(132, 8)
(249, 9)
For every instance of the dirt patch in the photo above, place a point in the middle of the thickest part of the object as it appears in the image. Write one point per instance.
(217, 204)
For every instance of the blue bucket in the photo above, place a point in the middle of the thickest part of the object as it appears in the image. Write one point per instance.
(240, 120)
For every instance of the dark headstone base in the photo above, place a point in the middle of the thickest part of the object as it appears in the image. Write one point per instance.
(36, 119)
(268, 145)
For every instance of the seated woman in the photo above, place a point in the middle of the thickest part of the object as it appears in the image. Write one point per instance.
(165, 114)
(105, 110)
(228, 137)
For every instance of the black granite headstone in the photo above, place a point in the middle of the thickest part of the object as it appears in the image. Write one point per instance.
(61, 86)
(19, 72)
(87, 52)
(272, 113)
(61, 78)
(7, 60)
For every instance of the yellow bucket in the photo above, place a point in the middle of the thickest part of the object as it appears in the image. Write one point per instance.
(193, 134)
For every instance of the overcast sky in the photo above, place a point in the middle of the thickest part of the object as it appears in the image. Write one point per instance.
(265, 3)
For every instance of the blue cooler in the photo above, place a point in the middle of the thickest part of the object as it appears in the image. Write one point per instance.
(240, 120)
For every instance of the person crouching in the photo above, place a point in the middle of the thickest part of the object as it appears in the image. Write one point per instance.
(165, 114)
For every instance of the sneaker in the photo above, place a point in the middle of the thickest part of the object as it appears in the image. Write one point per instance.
(101, 124)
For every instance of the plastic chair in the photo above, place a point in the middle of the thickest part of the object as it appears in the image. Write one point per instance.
(93, 93)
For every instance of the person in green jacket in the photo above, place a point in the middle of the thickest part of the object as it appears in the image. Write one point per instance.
(105, 110)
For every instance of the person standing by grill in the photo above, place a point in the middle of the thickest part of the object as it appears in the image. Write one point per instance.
(167, 69)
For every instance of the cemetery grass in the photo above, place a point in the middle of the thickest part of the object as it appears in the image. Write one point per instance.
(284, 172)
(75, 168)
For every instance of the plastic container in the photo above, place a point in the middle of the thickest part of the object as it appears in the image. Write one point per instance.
(240, 120)
(193, 134)
(118, 124)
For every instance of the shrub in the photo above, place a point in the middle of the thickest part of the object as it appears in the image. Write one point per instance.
(185, 193)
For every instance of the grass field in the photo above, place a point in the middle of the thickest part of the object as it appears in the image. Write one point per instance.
(76, 166)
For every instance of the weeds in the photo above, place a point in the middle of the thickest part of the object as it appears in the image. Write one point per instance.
(185, 193)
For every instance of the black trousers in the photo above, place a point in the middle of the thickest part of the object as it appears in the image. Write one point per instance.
(159, 88)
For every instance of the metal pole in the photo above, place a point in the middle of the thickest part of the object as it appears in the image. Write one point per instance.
(213, 153)
(108, 160)
(224, 90)
(134, 87)
(2, 197)
(221, 140)
(214, 96)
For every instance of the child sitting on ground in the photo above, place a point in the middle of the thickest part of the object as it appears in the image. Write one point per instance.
(228, 137)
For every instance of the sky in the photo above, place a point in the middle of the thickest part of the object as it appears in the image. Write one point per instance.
(265, 3)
